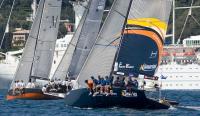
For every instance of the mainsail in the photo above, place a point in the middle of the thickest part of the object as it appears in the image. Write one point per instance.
(61, 71)
(101, 57)
(82, 41)
(87, 37)
(142, 43)
(38, 53)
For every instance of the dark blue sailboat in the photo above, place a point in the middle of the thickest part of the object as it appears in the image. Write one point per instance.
(129, 43)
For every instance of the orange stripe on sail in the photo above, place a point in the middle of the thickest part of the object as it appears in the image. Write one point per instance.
(151, 35)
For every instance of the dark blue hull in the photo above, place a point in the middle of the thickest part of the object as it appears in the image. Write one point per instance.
(81, 98)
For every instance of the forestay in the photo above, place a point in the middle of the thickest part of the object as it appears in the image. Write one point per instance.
(38, 53)
(101, 58)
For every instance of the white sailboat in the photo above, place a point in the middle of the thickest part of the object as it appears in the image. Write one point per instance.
(37, 56)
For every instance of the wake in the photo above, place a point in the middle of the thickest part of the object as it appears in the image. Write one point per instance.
(193, 108)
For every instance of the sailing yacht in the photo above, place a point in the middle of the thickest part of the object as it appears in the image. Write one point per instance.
(128, 21)
(37, 56)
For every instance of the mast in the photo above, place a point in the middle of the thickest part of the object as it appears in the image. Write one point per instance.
(174, 19)
(7, 24)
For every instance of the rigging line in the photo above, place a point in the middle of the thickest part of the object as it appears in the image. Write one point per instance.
(1, 3)
(189, 14)
(195, 20)
(7, 24)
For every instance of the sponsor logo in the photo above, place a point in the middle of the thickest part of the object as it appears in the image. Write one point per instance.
(126, 66)
(146, 67)
(153, 54)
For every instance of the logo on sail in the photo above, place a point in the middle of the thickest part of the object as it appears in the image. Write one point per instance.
(146, 67)
(125, 66)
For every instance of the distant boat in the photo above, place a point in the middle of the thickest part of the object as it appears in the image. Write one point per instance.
(149, 20)
(38, 53)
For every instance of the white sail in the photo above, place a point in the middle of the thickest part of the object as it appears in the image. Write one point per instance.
(101, 58)
(47, 36)
(38, 52)
(87, 37)
(63, 66)
(152, 14)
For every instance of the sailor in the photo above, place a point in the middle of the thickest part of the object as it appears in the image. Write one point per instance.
(122, 82)
(32, 85)
(90, 85)
(135, 84)
(95, 81)
(29, 84)
(21, 86)
(15, 87)
(69, 85)
(108, 85)
(63, 85)
(103, 83)
(143, 84)
(117, 82)
(129, 85)
(44, 89)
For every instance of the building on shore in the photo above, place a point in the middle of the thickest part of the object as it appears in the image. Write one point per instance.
(19, 38)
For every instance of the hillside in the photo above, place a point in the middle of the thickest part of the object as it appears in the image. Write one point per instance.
(22, 9)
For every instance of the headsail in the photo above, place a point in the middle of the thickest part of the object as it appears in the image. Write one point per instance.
(101, 58)
(142, 44)
(38, 53)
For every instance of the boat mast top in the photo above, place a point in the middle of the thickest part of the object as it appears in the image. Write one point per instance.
(174, 19)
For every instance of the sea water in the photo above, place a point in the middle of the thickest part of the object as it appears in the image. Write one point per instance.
(189, 105)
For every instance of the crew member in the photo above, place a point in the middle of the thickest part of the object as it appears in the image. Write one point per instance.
(90, 85)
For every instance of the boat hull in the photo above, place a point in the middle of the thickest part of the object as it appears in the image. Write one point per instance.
(31, 94)
(81, 98)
